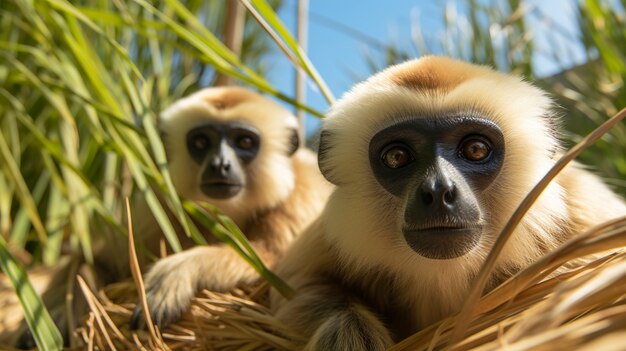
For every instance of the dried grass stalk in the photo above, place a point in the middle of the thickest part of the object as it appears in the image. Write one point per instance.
(215, 321)
(574, 297)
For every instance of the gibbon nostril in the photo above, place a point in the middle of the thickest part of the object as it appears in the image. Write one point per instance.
(450, 195)
(438, 192)
(216, 163)
(427, 198)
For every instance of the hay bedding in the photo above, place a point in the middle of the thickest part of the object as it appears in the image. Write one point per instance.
(574, 298)
(215, 321)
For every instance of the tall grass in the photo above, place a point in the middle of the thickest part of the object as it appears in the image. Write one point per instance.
(81, 85)
(597, 89)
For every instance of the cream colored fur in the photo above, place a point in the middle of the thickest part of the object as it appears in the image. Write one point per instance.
(271, 177)
(357, 245)
(283, 195)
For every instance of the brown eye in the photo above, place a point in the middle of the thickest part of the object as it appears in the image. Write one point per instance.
(396, 157)
(200, 142)
(475, 150)
(245, 143)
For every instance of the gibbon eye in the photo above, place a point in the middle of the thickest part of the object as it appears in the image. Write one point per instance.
(200, 142)
(396, 156)
(475, 149)
(245, 142)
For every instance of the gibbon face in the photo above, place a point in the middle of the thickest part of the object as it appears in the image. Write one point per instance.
(231, 147)
(431, 157)
(223, 151)
(437, 168)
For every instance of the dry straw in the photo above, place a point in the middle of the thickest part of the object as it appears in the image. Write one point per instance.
(216, 321)
(572, 298)
(582, 306)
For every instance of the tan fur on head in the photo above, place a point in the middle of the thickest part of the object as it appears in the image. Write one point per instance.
(271, 168)
(432, 73)
(358, 245)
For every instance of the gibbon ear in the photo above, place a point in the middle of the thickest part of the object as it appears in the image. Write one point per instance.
(323, 154)
(294, 142)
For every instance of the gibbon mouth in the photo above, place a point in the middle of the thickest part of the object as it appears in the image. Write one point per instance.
(442, 242)
(220, 189)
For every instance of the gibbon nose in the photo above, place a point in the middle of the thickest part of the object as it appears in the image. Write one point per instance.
(436, 191)
(220, 165)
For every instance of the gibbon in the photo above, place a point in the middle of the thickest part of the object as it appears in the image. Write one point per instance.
(430, 158)
(227, 146)
(239, 151)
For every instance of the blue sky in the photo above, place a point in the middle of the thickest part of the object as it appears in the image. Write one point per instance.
(340, 57)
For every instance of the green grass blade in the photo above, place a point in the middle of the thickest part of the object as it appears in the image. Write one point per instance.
(269, 15)
(221, 58)
(226, 231)
(21, 224)
(149, 123)
(75, 12)
(13, 174)
(6, 198)
(155, 206)
(71, 174)
(44, 331)
(57, 214)
(109, 18)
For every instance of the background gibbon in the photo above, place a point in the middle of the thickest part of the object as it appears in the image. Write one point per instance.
(230, 147)
(239, 151)
(430, 159)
